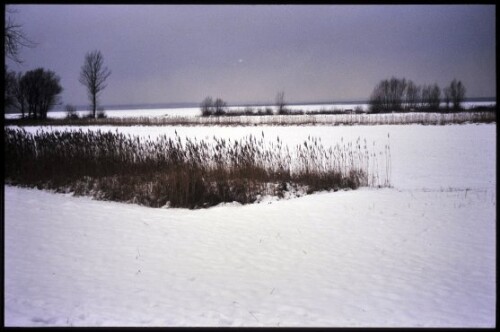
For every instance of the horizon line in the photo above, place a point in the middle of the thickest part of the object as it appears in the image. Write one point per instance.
(242, 104)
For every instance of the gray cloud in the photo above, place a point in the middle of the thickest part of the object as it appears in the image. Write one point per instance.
(248, 53)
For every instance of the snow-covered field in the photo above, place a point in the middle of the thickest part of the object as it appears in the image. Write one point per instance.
(421, 253)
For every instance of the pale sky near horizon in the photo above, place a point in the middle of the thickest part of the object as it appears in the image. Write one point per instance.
(247, 53)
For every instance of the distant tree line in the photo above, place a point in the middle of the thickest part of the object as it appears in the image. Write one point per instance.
(218, 107)
(399, 94)
(389, 95)
(213, 107)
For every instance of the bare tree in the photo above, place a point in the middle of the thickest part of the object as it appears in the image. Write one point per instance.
(71, 112)
(220, 106)
(378, 98)
(435, 97)
(207, 106)
(93, 75)
(397, 88)
(388, 95)
(18, 94)
(412, 96)
(426, 96)
(447, 97)
(41, 89)
(280, 102)
(14, 39)
(457, 94)
(9, 92)
(431, 97)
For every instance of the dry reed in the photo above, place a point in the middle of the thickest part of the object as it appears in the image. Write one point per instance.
(190, 173)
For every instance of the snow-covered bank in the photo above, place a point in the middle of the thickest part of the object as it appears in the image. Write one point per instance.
(356, 258)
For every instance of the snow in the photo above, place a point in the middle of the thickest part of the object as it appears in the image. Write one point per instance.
(421, 253)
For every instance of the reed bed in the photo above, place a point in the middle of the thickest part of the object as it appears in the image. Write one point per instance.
(277, 120)
(169, 171)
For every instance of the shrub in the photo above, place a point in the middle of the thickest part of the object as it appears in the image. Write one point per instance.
(326, 111)
(457, 94)
(388, 95)
(207, 107)
(220, 107)
(71, 112)
(280, 103)
(359, 110)
(40, 91)
(248, 111)
(101, 114)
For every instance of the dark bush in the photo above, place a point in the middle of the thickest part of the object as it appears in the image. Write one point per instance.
(249, 111)
(71, 112)
(207, 107)
(220, 107)
(101, 114)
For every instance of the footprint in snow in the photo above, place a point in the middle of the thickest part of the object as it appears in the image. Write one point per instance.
(44, 321)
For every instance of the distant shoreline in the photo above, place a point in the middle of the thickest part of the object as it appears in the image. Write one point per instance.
(261, 104)
(194, 105)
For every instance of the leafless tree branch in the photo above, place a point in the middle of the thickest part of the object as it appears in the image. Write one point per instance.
(15, 39)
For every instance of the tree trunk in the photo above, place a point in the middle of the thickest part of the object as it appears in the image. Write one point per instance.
(94, 106)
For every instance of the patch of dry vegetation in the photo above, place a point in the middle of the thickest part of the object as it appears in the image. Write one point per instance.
(168, 171)
(295, 118)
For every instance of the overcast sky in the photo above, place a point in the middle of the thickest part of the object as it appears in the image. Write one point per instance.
(244, 54)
